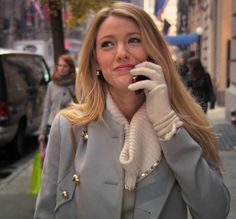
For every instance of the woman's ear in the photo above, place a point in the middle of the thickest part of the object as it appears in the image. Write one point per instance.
(97, 66)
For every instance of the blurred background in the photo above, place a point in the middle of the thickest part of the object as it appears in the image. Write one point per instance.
(205, 28)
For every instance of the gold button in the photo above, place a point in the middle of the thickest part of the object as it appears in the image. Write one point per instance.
(75, 178)
(84, 135)
(65, 194)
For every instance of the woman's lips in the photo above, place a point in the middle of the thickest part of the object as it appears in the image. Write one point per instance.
(124, 67)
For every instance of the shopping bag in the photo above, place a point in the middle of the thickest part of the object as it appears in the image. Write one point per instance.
(35, 181)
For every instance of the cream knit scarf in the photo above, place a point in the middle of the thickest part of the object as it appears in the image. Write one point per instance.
(141, 152)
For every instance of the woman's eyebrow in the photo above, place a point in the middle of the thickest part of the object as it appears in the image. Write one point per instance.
(105, 37)
(112, 36)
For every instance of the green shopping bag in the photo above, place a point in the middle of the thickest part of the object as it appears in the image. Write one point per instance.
(35, 181)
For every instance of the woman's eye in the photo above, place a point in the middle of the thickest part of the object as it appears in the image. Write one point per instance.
(134, 40)
(106, 44)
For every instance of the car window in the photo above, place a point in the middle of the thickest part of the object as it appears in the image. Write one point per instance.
(24, 71)
(16, 84)
(42, 70)
(1, 82)
(31, 68)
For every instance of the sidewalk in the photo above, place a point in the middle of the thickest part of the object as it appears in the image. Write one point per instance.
(15, 199)
(216, 117)
(229, 173)
(17, 202)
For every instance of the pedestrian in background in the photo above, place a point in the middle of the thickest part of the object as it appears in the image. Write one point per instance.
(60, 92)
(131, 148)
(182, 68)
(200, 85)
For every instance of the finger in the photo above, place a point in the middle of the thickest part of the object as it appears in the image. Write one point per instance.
(150, 65)
(143, 71)
(153, 66)
(146, 84)
(150, 73)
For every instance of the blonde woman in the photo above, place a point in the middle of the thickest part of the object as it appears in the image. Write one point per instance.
(132, 148)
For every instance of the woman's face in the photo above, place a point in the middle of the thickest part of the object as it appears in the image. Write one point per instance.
(63, 68)
(118, 49)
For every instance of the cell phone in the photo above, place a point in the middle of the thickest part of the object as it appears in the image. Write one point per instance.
(138, 78)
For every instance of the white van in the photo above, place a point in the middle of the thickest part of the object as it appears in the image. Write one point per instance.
(40, 47)
(23, 81)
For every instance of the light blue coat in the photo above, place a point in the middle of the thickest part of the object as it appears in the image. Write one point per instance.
(57, 97)
(183, 178)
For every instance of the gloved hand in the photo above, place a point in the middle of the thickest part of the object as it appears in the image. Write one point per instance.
(157, 100)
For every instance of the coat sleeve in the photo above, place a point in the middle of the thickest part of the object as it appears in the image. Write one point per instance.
(46, 109)
(46, 200)
(210, 91)
(201, 183)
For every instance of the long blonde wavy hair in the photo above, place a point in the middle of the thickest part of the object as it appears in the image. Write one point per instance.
(91, 90)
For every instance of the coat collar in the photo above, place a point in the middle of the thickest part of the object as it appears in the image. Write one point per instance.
(156, 187)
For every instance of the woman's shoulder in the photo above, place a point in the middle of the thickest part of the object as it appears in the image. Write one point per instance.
(207, 75)
(60, 121)
(51, 84)
(66, 116)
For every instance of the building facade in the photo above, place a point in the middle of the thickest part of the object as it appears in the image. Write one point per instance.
(216, 42)
(182, 17)
(230, 97)
(20, 20)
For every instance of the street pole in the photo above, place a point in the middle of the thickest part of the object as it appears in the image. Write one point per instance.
(199, 32)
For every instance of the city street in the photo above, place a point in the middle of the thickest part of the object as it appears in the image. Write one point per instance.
(15, 199)
(17, 202)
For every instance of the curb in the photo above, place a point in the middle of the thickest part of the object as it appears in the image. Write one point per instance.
(28, 160)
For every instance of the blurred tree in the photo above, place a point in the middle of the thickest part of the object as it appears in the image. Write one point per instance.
(78, 9)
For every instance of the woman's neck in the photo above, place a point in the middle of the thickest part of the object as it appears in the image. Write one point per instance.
(128, 103)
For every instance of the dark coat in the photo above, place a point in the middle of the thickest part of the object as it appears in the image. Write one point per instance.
(201, 88)
(183, 71)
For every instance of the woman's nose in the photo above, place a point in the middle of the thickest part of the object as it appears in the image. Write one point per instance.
(122, 52)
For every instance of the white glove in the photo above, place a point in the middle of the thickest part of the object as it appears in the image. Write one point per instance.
(157, 101)
(159, 111)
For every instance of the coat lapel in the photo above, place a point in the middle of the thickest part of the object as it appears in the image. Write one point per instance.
(153, 191)
(97, 163)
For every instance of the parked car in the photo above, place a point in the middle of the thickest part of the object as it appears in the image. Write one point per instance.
(23, 81)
